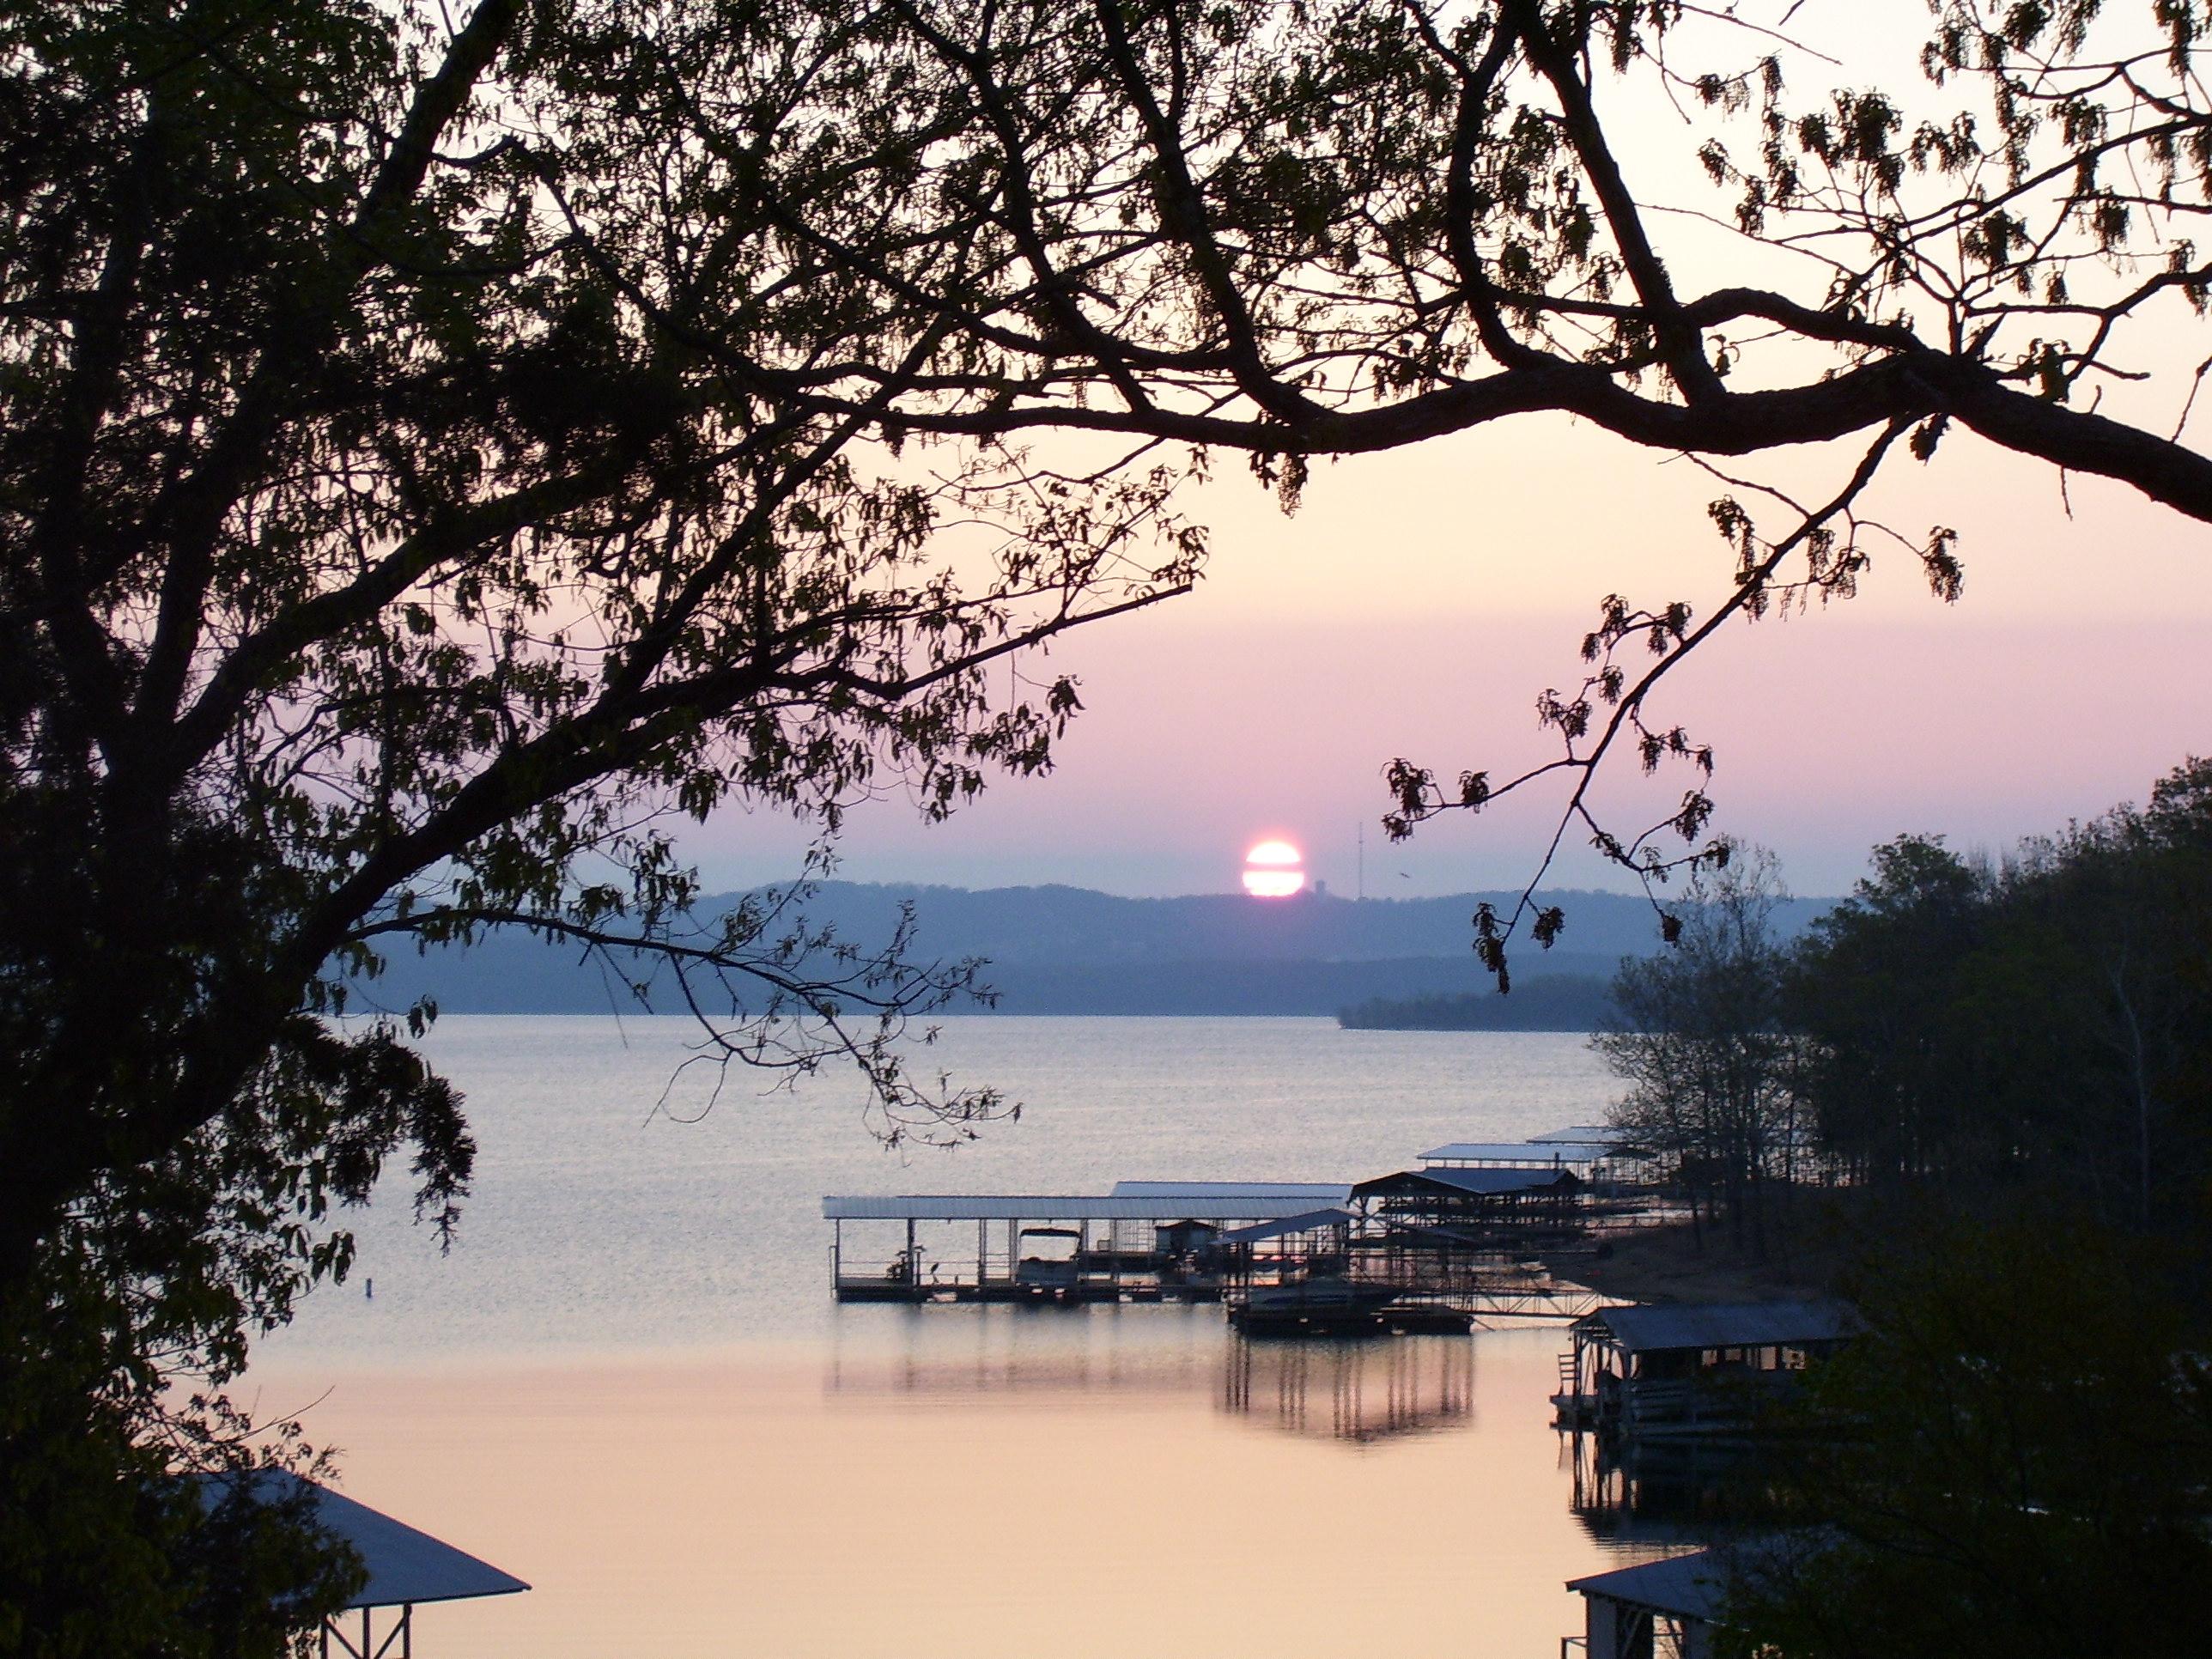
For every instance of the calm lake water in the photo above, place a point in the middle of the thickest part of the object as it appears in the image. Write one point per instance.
(628, 1384)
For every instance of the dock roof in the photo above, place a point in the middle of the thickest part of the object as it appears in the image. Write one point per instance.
(1692, 1586)
(1179, 1205)
(1311, 1221)
(1672, 1327)
(1480, 1183)
(1534, 1154)
(404, 1566)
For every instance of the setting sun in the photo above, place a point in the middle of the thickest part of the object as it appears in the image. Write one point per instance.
(1273, 869)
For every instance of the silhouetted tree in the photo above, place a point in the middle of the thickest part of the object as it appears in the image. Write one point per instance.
(2011, 1461)
(1698, 1035)
(2038, 1025)
(440, 446)
(1873, 986)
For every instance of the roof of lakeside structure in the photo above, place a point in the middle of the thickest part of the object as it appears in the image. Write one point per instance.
(1332, 1191)
(1311, 1221)
(1478, 1183)
(1530, 1154)
(1180, 1205)
(404, 1566)
(1597, 1134)
(1698, 1584)
(1673, 1327)
(1692, 1586)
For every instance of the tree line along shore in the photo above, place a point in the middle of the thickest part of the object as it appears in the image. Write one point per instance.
(1975, 1100)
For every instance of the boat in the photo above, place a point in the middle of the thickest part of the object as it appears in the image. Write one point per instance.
(1313, 1305)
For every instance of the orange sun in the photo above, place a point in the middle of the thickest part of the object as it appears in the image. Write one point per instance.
(1274, 869)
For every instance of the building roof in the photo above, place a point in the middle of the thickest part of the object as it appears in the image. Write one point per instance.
(1692, 1586)
(1311, 1221)
(404, 1566)
(1066, 1207)
(1668, 1327)
(1698, 1584)
(1531, 1154)
(1476, 1183)
(1332, 1192)
(1595, 1134)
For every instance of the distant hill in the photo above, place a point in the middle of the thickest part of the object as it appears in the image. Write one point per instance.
(1069, 951)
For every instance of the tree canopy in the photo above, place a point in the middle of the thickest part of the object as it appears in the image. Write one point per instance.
(426, 466)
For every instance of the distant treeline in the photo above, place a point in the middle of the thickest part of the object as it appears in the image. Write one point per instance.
(1561, 1002)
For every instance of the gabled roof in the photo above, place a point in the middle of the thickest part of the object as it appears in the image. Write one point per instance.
(1476, 1183)
(1673, 1327)
(404, 1566)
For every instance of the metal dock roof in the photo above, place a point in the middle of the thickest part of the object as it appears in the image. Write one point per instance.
(1527, 1153)
(1480, 1182)
(1332, 1192)
(1596, 1134)
(1177, 1205)
(1692, 1586)
(404, 1566)
(1664, 1326)
(1311, 1221)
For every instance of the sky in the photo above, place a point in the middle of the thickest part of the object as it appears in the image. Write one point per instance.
(1419, 601)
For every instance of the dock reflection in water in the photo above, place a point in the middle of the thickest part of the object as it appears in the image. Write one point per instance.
(1678, 1492)
(1359, 1389)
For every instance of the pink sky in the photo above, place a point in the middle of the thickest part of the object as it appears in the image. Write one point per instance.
(1419, 601)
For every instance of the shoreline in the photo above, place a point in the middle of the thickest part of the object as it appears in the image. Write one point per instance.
(1666, 1264)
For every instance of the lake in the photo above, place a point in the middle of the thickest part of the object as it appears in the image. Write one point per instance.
(628, 1384)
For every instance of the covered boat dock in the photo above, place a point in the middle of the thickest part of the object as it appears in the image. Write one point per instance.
(1476, 1208)
(1692, 1368)
(1144, 1240)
